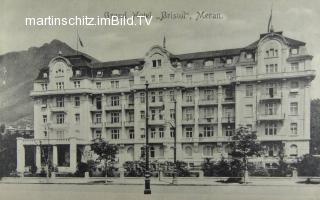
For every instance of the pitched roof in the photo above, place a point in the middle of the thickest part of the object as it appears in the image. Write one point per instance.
(129, 62)
(206, 54)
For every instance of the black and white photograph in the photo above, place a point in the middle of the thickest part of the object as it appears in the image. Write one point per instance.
(171, 99)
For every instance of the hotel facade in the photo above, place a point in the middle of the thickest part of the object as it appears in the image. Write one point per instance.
(264, 86)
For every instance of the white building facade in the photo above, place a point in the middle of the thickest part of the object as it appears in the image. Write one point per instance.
(264, 86)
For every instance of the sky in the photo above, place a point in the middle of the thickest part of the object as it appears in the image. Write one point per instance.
(243, 21)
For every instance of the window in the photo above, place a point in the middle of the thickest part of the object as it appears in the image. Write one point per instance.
(208, 131)
(115, 117)
(293, 150)
(208, 151)
(189, 96)
(131, 134)
(130, 99)
(172, 114)
(294, 108)
(97, 118)
(76, 84)
(115, 134)
(156, 63)
(270, 109)
(229, 75)
(249, 90)
(271, 68)
(271, 129)
(208, 76)
(152, 152)
(271, 89)
(142, 79)
(142, 114)
(45, 133)
(98, 85)
(153, 133)
(189, 64)
(153, 97)
(229, 61)
(114, 84)
(208, 95)
(131, 116)
(160, 78)
(188, 114)
(161, 114)
(208, 112)
(189, 132)
(294, 85)
(248, 110)
(294, 67)
(171, 77)
(161, 132)
(78, 72)
(60, 118)
(44, 86)
(131, 82)
(43, 103)
(294, 51)
(97, 134)
(153, 114)
(60, 101)
(160, 96)
(142, 97)
(60, 134)
(228, 132)
(115, 101)
(59, 72)
(188, 151)
(171, 96)
(249, 70)
(99, 73)
(60, 85)
(76, 101)
(189, 78)
(294, 128)
(77, 118)
(153, 78)
(45, 75)
(98, 102)
(143, 134)
(172, 130)
(208, 63)
(44, 118)
(248, 55)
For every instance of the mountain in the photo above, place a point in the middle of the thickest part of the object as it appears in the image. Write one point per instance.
(17, 71)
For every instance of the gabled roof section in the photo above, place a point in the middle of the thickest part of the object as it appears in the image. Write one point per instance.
(207, 54)
(119, 63)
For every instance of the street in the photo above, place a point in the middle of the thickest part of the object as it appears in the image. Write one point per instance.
(92, 192)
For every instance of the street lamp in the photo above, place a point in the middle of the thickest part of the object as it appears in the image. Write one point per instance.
(147, 189)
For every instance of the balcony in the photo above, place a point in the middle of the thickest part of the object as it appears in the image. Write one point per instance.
(94, 108)
(208, 120)
(129, 123)
(57, 109)
(96, 125)
(156, 104)
(187, 104)
(129, 106)
(208, 102)
(187, 121)
(156, 122)
(58, 126)
(274, 117)
(228, 100)
(112, 107)
(228, 119)
(266, 97)
(113, 124)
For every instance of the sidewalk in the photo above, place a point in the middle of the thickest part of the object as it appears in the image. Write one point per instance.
(206, 181)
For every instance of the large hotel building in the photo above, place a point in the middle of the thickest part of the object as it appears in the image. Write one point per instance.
(264, 86)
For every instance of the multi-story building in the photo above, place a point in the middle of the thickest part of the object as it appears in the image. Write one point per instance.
(264, 86)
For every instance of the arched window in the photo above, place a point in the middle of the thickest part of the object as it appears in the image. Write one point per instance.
(293, 150)
(188, 151)
(152, 152)
(208, 151)
(130, 154)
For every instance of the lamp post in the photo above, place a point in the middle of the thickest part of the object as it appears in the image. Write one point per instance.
(147, 189)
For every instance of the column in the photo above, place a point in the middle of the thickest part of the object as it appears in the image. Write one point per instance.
(54, 155)
(196, 112)
(38, 158)
(20, 155)
(73, 155)
(220, 115)
(123, 116)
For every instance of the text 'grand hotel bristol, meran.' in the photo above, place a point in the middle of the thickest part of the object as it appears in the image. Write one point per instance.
(264, 86)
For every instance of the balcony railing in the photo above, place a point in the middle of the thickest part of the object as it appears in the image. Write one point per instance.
(129, 123)
(187, 103)
(156, 121)
(228, 119)
(96, 125)
(112, 107)
(187, 121)
(208, 102)
(208, 120)
(113, 124)
(265, 97)
(277, 116)
(227, 100)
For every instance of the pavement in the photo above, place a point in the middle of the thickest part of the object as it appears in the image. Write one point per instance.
(181, 181)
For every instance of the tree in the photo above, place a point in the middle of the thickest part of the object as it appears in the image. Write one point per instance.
(106, 152)
(245, 145)
(315, 127)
